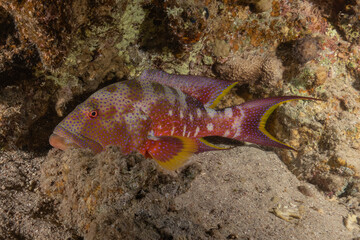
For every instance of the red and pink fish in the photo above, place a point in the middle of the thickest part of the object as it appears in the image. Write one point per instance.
(165, 117)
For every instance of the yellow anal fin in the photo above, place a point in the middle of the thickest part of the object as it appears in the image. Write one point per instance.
(208, 146)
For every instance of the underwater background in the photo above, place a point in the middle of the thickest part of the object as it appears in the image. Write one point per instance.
(54, 54)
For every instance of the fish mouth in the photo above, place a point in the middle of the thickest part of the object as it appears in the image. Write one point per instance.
(60, 142)
(64, 139)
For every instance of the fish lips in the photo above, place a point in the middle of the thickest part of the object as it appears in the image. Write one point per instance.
(64, 139)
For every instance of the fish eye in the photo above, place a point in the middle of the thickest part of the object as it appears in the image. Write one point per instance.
(93, 114)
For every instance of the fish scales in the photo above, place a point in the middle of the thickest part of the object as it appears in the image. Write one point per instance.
(165, 117)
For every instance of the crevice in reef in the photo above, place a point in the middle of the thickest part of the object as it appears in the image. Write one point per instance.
(154, 31)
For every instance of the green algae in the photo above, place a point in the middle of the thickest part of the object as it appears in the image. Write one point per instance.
(130, 26)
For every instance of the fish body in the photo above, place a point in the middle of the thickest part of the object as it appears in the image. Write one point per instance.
(164, 117)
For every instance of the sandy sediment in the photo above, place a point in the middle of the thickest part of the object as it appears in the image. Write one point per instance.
(243, 193)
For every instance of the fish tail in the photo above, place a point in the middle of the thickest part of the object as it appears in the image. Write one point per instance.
(254, 117)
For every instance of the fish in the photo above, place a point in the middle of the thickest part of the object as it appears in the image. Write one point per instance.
(166, 117)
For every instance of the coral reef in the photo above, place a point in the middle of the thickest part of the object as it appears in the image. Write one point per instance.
(258, 71)
(16, 58)
(299, 51)
(51, 26)
(349, 21)
(46, 48)
(188, 22)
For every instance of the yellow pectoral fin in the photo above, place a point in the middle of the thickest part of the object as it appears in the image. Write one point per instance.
(172, 152)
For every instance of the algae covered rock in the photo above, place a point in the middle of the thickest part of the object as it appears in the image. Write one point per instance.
(111, 196)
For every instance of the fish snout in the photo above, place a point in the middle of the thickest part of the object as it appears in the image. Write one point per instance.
(63, 139)
(61, 142)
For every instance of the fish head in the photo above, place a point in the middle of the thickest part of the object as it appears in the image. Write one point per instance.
(88, 125)
(108, 117)
(78, 129)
